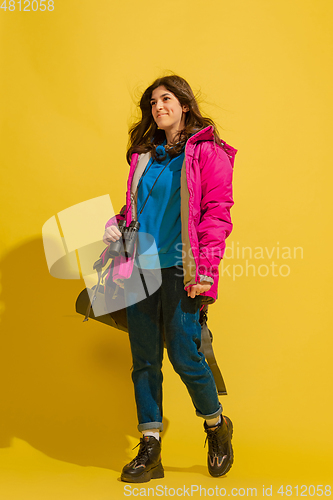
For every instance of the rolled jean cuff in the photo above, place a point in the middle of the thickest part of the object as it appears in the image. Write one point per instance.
(150, 425)
(212, 415)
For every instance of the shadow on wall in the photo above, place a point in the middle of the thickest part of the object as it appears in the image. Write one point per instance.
(65, 385)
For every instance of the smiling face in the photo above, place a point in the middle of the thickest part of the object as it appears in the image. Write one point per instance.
(168, 113)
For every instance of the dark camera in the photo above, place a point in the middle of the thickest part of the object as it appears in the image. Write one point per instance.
(125, 244)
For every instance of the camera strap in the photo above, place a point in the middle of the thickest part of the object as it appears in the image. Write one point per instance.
(141, 179)
(140, 182)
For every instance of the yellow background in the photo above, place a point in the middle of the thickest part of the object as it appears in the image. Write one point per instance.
(70, 80)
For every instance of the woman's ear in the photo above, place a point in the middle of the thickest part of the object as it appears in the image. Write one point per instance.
(185, 108)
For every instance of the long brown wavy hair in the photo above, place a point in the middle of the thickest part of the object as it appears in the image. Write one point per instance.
(144, 135)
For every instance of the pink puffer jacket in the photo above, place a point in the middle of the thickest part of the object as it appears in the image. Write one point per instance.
(206, 199)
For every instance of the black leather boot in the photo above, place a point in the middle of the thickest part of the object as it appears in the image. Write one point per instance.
(147, 464)
(220, 452)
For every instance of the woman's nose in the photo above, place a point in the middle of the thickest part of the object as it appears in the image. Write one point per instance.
(159, 104)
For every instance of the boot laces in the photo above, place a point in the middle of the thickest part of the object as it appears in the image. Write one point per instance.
(215, 443)
(142, 455)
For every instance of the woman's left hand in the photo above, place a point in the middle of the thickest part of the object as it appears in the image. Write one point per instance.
(199, 288)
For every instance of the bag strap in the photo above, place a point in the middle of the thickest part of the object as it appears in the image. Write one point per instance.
(207, 349)
(98, 265)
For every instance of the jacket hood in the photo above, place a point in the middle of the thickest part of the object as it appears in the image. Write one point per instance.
(207, 134)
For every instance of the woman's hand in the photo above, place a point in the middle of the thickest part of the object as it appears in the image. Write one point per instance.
(112, 233)
(199, 288)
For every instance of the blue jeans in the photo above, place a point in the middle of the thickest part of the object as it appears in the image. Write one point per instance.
(171, 312)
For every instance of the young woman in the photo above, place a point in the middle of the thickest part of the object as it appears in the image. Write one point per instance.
(180, 190)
